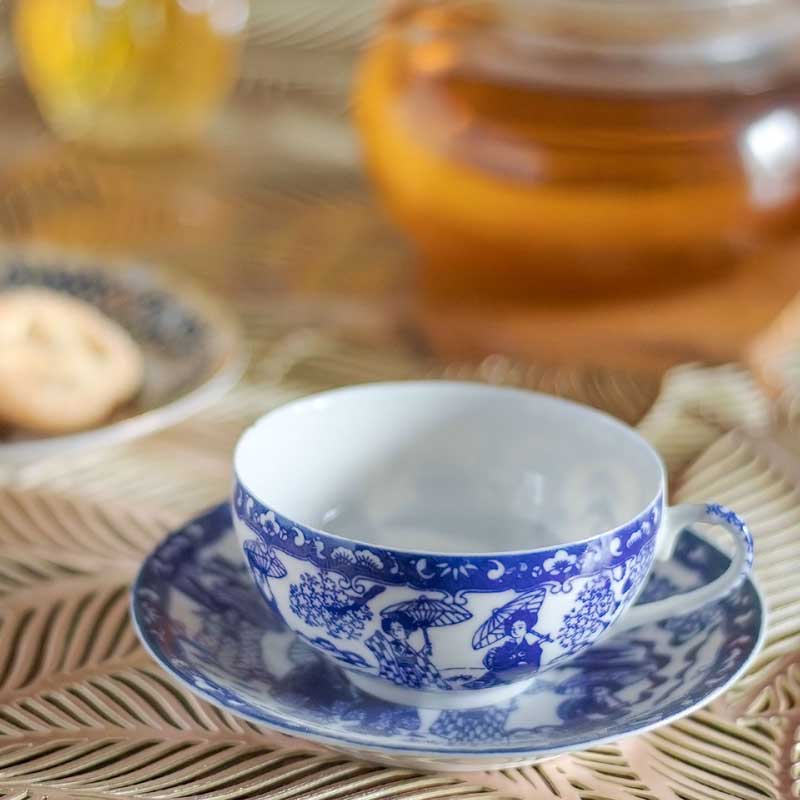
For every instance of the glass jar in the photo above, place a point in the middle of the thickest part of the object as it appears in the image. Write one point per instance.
(571, 147)
(129, 73)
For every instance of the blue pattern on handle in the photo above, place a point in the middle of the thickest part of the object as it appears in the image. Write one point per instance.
(723, 514)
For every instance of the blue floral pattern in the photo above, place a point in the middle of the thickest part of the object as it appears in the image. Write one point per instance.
(321, 600)
(562, 563)
(454, 575)
(595, 603)
(196, 582)
(327, 586)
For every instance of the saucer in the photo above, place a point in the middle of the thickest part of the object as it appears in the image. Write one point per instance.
(191, 347)
(199, 614)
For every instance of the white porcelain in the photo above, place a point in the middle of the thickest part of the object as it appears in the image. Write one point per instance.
(200, 616)
(447, 543)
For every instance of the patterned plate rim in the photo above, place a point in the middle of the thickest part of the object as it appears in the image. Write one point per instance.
(230, 359)
(305, 731)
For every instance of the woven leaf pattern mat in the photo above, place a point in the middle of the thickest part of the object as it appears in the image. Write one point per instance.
(84, 713)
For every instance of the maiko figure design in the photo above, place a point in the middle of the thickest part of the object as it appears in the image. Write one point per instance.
(522, 646)
(398, 659)
(514, 626)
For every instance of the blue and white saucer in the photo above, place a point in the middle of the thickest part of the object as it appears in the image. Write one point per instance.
(198, 613)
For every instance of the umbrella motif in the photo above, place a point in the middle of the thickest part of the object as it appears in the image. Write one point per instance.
(428, 612)
(494, 628)
(264, 561)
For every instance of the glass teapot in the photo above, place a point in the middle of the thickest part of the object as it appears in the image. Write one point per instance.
(565, 148)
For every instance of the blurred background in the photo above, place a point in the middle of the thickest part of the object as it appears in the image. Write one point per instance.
(607, 182)
(569, 195)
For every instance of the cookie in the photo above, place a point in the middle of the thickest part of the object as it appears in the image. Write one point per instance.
(64, 365)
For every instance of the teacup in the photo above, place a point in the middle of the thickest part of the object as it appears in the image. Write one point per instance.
(447, 542)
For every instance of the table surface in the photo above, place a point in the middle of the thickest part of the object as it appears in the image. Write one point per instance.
(273, 215)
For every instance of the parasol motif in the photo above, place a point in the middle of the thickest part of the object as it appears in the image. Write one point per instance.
(428, 612)
(267, 563)
(494, 628)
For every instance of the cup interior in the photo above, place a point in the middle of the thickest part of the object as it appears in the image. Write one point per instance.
(448, 467)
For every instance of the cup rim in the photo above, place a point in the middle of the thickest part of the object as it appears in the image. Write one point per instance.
(603, 417)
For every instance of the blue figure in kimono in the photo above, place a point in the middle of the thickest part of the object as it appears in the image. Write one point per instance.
(522, 646)
(520, 650)
(398, 660)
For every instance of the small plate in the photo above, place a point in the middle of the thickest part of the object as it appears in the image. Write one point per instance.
(200, 616)
(192, 348)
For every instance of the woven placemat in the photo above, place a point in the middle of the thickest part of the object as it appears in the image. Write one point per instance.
(84, 713)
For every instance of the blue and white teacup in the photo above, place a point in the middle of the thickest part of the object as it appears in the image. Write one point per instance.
(446, 543)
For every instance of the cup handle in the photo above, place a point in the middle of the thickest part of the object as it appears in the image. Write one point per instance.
(676, 518)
